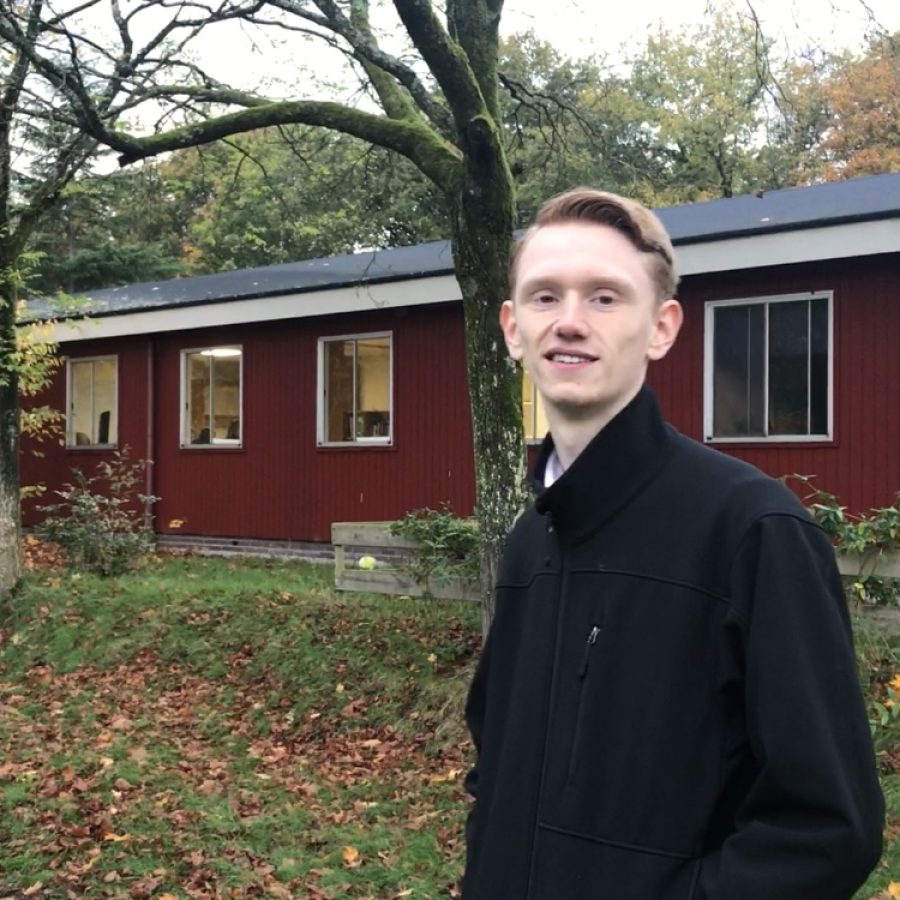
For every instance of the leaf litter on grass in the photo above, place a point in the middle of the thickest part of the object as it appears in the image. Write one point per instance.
(166, 773)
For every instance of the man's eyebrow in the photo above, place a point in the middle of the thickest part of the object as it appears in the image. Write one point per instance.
(538, 284)
(610, 282)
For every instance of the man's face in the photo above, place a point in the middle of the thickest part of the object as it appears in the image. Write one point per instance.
(584, 319)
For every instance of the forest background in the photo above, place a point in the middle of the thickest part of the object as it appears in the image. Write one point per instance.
(693, 113)
(483, 133)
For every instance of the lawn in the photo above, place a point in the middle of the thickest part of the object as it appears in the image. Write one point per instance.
(210, 728)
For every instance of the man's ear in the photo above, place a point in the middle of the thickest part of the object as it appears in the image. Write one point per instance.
(669, 317)
(510, 329)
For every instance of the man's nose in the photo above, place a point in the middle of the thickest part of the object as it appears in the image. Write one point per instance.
(570, 321)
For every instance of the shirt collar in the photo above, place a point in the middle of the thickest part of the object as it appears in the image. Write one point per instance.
(617, 462)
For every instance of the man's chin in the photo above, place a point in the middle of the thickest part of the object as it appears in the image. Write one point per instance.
(577, 407)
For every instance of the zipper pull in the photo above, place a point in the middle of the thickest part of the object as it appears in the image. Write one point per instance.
(591, 640)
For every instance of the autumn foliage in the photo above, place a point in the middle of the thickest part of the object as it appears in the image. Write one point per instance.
(864, 103)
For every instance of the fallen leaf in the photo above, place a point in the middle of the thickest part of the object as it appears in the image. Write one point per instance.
(116, 838)
(31, 891)
(138, 754)
(351, 857)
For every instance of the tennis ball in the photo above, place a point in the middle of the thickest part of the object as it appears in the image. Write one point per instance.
(367, 562)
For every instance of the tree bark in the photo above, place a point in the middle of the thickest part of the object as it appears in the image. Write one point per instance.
(10, 549)
(483, 221)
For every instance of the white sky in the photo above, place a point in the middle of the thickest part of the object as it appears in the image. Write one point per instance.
(281, 64)
(251, 58)
(586, 26)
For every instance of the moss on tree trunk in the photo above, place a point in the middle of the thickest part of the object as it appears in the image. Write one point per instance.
(10, 562)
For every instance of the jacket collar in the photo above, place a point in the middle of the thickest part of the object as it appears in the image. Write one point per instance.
(608, 472)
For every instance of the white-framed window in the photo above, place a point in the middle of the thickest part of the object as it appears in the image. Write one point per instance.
(92, 386)
(768, 368)
(211, 396)
(534, 419)
(355, 389)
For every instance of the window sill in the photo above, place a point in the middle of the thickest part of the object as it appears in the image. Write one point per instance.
(215, 447)
(781, 442)
(91, 448)
(371, 444)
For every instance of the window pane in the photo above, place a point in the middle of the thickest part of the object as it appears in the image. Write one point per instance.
(81, 403)
(529, 396)
(788, 368)
(105, 419)
(226, 381)
(818, 367)
(199, 426)
(339, 391)
(534, 418)
(738, 376)
(541, 425)
(373, 385)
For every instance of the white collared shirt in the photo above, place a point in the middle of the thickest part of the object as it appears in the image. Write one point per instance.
(553, 470)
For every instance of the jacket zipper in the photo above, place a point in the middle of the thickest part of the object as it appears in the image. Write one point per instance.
(580, 713)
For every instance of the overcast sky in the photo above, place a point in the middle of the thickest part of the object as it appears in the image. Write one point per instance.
(280, 64)
(585, 26)
(254, 59)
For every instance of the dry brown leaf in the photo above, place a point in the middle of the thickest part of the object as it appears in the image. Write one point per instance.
(116, 838)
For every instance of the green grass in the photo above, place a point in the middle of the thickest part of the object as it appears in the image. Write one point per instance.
(210, 728)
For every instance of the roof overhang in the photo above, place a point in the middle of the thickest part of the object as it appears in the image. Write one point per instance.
(857, 239)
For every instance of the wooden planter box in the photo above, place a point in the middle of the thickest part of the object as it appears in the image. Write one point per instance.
(885, 565)
(392, 575)
(394, 555)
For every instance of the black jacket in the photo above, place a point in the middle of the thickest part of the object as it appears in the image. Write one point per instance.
(667, 704)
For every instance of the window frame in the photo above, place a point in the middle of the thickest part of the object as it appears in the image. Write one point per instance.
(709, 362)
(214, 443)
(70, 419)
(321, 402)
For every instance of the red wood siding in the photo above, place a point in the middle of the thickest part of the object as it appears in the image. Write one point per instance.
(48, 462)
(280, 484)
(862, 465)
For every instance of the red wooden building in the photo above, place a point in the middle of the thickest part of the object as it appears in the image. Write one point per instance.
(276, 401)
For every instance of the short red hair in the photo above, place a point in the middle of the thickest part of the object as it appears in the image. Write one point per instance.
(639, 224)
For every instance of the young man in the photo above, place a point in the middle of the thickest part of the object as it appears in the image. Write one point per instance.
(667, 706)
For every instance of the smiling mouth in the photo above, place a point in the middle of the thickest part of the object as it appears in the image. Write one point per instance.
(570, 359)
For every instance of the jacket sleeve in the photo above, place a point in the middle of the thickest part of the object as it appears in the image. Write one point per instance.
(810, 827)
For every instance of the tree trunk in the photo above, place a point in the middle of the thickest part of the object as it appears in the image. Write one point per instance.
(483, 219)
(10, 521)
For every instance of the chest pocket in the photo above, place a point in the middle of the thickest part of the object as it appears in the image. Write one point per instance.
(636, 728)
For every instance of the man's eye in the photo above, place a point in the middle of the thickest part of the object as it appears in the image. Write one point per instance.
(544, 299)
(604, 299)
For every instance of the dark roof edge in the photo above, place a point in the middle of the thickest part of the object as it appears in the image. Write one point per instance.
(779, 227)
(256, 295)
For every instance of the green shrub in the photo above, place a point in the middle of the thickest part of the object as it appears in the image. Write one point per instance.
(878, 661)
(448, 545)
(867, 537)
(100, 522)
